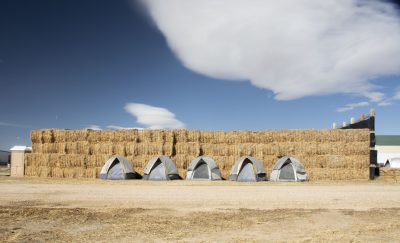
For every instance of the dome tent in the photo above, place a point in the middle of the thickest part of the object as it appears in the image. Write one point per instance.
(288, 168)
(161, 168)
(393, 163)
(247, 169)
(203, 168)
(118, 168)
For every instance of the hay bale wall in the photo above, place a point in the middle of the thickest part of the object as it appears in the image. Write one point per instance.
(326, 154)
(389, 174)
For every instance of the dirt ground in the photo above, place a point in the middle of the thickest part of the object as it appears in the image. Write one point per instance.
(72, 210)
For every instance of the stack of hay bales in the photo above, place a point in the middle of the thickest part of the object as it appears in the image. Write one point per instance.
(326, 154)
(389, 174)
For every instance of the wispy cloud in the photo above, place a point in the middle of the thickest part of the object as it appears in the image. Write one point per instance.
(294, 48)
(397, 94)
(153, 117)
(385, 103)
(352, 106)
(6, 124)
(391, 100)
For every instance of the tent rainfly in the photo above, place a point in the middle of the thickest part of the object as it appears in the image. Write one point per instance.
(393, 163)
(203, 168)
(248, 169)
(118, 168)
(161, 168)
(288, 168)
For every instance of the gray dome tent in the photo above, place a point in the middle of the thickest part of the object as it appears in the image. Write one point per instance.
(288, 168)
(393, 163)
(161, 168)
(203, 168)
(118, 168)
(247, 169)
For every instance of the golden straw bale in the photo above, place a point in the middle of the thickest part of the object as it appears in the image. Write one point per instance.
(190, 148)
(47, 136)
(180, 136)
(64, 135)
(101, 148)
(215, 149)
(91, 173)
(168, 136)
(182, 173)
(43, 171)
(119, 149)
(98, 160)
(74, 173)
(30, 171)
(57, 172)
(119, 136)
(140, 161)
(183, 160)
(219, 137)
(28, 159)
(48, 148)
(82, 148)
(37, 148)
(36, 136)
(125, 135)
(99, 136)
(150, 148)
(68, 160)
(204, 136)
(354, 148)
(389, 174)
(271, 149)
(337, 174)
(155, 136)
(225, 164)
(268, 162)
(168, 149)
(244, 149)
(131, 148)
(37, 159)
(194, 135)
(184, 135)
(151, 136)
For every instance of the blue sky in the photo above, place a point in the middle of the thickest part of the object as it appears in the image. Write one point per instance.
(76, 64)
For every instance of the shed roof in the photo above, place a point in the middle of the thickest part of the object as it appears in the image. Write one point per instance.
(387, 140)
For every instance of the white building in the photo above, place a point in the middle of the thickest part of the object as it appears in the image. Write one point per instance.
(388, 147)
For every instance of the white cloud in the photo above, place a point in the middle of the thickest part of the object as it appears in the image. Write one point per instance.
(94, 127)
(396, 95)
(153, 117)
(294, 48)
(114, 127)
(351, 106)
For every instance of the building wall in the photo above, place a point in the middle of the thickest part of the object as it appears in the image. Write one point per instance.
(326, 154)
(388, 149)
(17, 163)
(387, 152)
